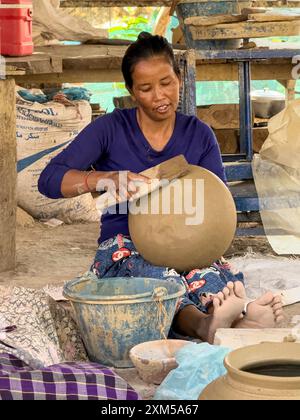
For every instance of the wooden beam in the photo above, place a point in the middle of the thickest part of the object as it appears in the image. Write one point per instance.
(142, 3)
(267, 17)
(204, 72)
(247, 29)
(75, 76)
(38, 63)
(99, 63)
(214, 20)
(114, 3)
(229, 71)
(276, 3)
(290, 89)
(8, 175)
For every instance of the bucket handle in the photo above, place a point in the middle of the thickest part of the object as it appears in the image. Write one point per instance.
(158, 295)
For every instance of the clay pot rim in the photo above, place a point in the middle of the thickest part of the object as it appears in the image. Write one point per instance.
(237, 372)
(270, 379)
(148, 361)
(133, 352)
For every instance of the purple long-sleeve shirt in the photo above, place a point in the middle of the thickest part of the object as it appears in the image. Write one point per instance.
(115, 142)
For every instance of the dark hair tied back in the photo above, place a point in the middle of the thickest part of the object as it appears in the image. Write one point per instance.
(145, 47)
(144, 35)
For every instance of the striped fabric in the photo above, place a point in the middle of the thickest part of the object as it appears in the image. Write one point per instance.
(69, 381)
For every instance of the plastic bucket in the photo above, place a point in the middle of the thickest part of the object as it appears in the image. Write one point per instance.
(115, 314)
(190, 8)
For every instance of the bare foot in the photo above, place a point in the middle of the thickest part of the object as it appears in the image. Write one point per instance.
(227, 308)
(265, 312)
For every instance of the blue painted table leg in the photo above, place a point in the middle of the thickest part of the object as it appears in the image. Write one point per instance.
(246, 134)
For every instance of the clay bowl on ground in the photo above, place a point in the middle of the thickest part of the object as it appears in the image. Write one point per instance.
(155, 359)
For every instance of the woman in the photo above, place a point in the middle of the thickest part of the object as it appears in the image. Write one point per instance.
(137, 139)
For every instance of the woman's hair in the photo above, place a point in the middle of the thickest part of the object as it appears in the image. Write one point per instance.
(145, 47)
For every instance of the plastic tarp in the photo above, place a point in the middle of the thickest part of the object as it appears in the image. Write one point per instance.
(198, 366)
(52, 23)
(277, 179)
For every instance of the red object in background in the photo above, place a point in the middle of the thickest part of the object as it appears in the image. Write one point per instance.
(16, 27)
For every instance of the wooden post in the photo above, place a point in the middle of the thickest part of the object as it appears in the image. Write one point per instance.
(162, 22)
(8, 175)
(290, 89)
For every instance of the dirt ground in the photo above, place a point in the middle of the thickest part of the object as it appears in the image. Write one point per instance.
(51, 256)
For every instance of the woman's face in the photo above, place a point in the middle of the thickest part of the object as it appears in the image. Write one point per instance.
(156, 88)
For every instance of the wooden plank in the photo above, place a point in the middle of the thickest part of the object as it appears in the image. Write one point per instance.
(229, 72)
(251, 10)
(121, 3)
(228, 140)
(276, 3)
(8, 175)
(78, 64)
(114, 3)
(266, 50)
(142, 3)
(102, 63)
(204, 72)
(214, 20)
(38, 63)
(245, 30)
(267, 17)
(14, 71)
(220, 116)
(75, 76)
(236, 338)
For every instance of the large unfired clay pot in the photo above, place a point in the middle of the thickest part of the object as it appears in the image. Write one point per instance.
(183, 239)
(241, 385)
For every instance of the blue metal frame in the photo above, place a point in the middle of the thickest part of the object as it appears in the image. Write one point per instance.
(238, 171)
(238, 166)
(249, 55)
(244, 59)
(246, 135)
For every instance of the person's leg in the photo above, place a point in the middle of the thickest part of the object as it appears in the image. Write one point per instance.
(118, 257)
(190, 319)
(205, 285)
(111, 256)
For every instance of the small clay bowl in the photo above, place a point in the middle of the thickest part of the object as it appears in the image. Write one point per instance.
(155, 359)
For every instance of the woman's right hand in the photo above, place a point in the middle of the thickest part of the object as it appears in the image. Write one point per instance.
(121, 185)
